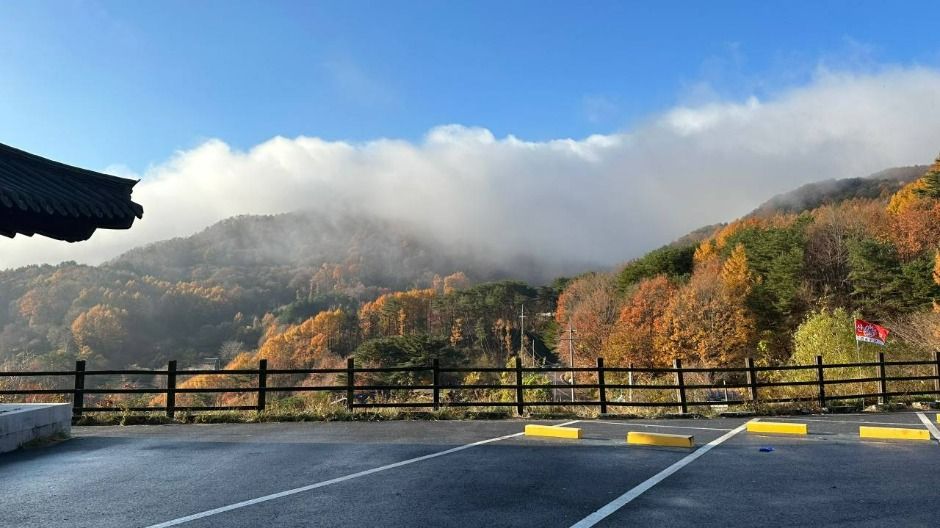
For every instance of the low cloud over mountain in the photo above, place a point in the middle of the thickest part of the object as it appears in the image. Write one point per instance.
(601, 199)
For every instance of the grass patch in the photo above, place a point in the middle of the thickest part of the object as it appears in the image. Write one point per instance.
(298, 410)
(124, 418)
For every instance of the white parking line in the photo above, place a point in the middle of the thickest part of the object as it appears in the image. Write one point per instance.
(629, 424)
(933, 428)
(309, 487)
(624, 499)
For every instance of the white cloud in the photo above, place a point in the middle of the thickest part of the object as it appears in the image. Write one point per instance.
(604, 198)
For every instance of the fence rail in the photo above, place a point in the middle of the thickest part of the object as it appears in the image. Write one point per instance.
(751, 378)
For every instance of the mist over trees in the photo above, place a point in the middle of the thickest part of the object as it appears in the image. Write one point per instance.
(304, 290)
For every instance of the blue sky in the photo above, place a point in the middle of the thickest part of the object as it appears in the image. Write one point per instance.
(575, 132)
(128, 83)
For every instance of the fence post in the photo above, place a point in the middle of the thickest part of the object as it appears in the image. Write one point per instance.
(680, 385)
(883, 379)
(435, 383)
(752, 378)
(601, 390)
(262, 383)
(821, 380)
(630, 383)
(520, 403)
(171, 389)
(350, 383)
(936, 375)
(78, 398)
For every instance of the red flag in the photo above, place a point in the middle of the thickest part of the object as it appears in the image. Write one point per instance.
(870, 332)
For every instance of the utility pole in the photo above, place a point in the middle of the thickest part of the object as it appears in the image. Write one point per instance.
(522, 333)
(571, 355)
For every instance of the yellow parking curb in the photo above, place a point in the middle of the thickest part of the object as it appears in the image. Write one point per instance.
(893, 433)
(777, 427)
(553, 431)
(660, 439)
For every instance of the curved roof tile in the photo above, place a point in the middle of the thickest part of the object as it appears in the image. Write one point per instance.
(45, 197)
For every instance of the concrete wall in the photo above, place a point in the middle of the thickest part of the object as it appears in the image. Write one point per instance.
(23, 422)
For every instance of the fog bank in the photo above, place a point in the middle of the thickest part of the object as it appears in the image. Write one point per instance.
(603, 199)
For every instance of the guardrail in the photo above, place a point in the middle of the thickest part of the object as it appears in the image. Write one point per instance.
(749, 373)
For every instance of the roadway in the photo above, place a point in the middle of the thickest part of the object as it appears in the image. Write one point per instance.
(474, 473)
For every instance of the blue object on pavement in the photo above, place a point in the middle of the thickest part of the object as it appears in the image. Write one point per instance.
(766, 449)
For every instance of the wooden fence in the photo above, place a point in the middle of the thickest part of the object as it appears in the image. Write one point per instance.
(756, 382)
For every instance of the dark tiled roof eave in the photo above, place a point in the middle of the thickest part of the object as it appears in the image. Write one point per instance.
(41, 196)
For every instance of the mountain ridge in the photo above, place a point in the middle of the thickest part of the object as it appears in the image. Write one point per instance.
(238, 280)
(806, 197)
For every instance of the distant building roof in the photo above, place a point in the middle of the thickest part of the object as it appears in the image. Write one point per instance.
(44, 197)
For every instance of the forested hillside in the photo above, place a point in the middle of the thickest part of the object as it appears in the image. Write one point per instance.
(781, 284)
(349, 253)
(222, 290)
(303, 290)
(813, 195)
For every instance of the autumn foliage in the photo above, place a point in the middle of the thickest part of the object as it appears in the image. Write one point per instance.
(590, 303)
(641, 323)
(721, 294)
(754, 280)
(707, 320)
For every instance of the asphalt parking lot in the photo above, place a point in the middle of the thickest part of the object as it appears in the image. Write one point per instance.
(475, 473)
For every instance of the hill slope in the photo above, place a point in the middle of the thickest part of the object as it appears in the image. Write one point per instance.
(812, 195)
(235, 285)
(356, 250)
